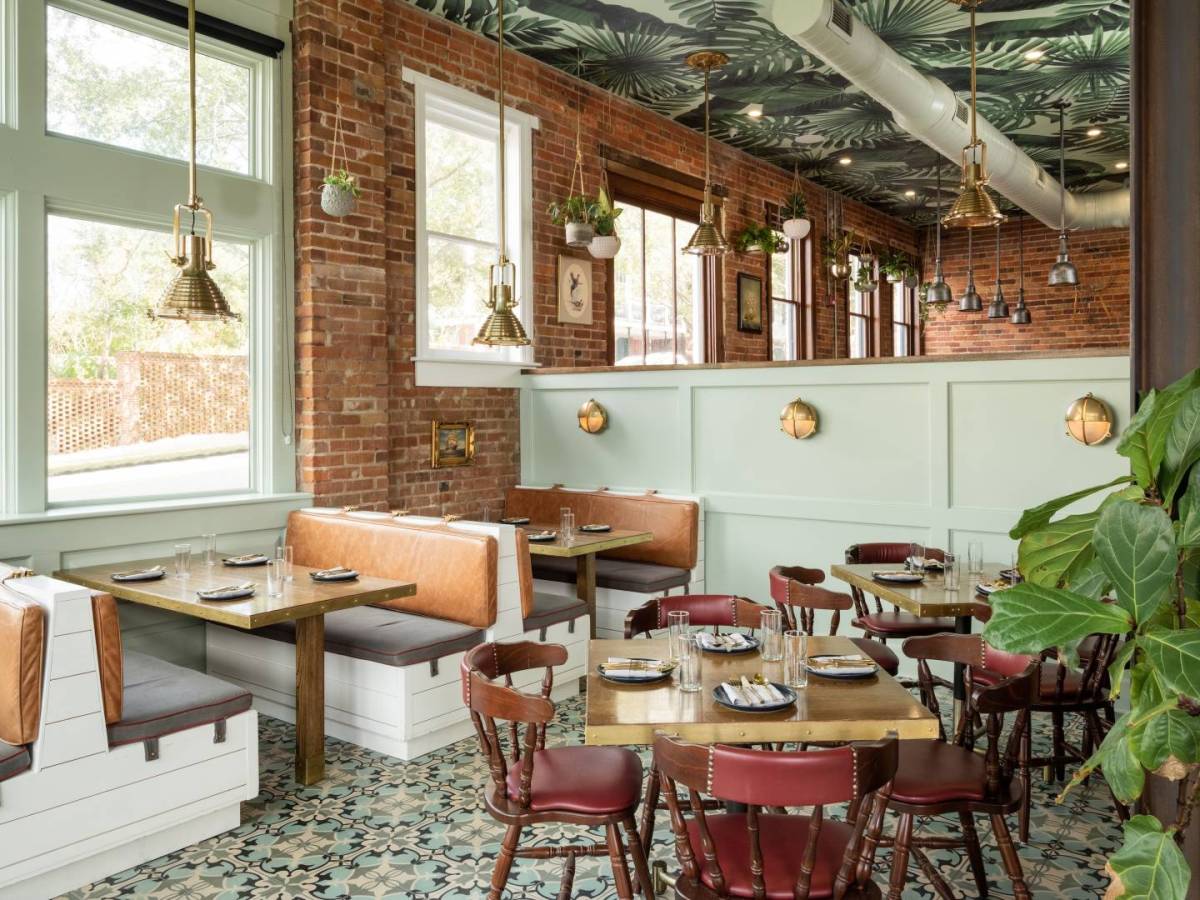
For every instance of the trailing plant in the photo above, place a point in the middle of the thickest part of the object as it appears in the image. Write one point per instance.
(925, 309)
(895, 264)
(576, 209)
(343, 181)
(1141, 546)
(836, 251)
(794, 206)
(605, 215)
(759, 237)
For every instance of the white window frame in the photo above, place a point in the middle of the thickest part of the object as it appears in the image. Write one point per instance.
(46, 174)
(460, 108)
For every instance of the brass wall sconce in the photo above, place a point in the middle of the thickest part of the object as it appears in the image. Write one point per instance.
(1089, 420)
(798, 420)
(593, 418)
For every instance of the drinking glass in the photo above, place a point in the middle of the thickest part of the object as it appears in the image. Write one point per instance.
(566, 524)
(677, 627)
(183, 560)
(916, 557)
(690, 655)
(771, 624)
(275, 577)
(286, 556)
(210, 549)
(975, 558)
(950, 572)
(795, 659)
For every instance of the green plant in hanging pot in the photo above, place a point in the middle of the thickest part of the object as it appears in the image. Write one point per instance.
(576, 214)
(836, 254)
(794, 213)
(340, 193)
(896, 267)
(1141, 546)
(756, 238)
(605, 244)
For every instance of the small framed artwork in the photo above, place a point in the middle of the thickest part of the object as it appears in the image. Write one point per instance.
(750, 299)
(574, 290)
(453, 444)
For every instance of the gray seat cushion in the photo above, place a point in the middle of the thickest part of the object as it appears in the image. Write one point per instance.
(162, 698)
(13, 760)
(386, 636)
(617, 574)
(550, 609)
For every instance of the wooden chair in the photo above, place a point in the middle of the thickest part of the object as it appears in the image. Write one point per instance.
(765, 851)
(706, 610)
(593, 786)
(793, 588)
(939, 777)
(884, 624)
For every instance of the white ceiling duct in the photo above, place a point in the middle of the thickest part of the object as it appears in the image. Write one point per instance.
(928, 109)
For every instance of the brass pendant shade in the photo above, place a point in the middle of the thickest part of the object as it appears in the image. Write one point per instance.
(707, 239)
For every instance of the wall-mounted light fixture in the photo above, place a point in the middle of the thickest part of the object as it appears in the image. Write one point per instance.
(798, 420)
(1089, 420)
(593, 418)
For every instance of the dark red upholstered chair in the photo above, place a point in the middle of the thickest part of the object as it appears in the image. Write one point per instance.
(533, 784)
(793, 588)
(947, 776)
(706, 610)
(895, 623)
(765, 851)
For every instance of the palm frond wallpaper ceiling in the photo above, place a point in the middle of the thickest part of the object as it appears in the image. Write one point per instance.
(812, 116)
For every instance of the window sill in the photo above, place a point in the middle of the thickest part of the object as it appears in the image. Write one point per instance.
(494, 373)
(174, 504)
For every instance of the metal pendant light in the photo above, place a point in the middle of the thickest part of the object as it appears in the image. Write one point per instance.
(939, 291)
(970, 301)
(707, 240)
(974, 207)
(998, 308)
(502, 328)
(1021, 314)
(192, 295)
(1063, 272)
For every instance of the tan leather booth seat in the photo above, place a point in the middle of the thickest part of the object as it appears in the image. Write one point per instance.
(110, 655)
(23, 639)
(540, 611)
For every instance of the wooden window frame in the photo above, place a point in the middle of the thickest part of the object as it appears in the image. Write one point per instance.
(911, 322)
(800, 269)
(872, 314)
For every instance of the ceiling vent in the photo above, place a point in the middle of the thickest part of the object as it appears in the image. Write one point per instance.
(841, 22)
(962, 112)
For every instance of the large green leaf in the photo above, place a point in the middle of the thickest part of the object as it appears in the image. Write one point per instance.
(1116, 760)
(1150, 866)
(1135, 443)
(1029, 618)
(1050, 555)
(1136, 545)
(1183, 445)
(1035, 518)
(1173, 733)
(1188, 535)
(1090, 581)
(1116, 669)
(1175, 654)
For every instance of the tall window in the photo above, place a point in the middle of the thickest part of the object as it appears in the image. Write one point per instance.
(658, 291)
(904, 332)
(791, 302)
(458, 221)
(861, 314)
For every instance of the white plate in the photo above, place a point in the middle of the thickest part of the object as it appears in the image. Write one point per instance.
(899, 577)
(237, 594)
(148, 575)
(250, 559)
(541, 537)
(866, 670)
(349, 575)
(595, 529)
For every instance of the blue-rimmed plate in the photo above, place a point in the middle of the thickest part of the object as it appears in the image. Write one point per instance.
(595, 528)
(844, 672)
(789, 699)
(898, 577)
(650, 677)
(751, 643)
(144, 575)
(333, 575)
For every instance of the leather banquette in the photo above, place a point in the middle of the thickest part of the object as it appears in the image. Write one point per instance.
(22, 635)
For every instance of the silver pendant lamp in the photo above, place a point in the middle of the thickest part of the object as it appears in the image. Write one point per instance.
(1063, 272)
(998, 308)
(970, 301)
(1021, 314)
(939, 291)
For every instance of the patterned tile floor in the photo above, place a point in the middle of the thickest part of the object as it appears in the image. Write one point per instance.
(380, 828)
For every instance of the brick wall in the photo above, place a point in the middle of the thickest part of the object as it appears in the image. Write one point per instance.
(1094, 315)
(362, 425)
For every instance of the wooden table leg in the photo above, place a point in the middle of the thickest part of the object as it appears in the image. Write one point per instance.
(310, 699)
(585, 586)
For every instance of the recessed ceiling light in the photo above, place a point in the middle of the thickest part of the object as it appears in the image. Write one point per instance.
(1122, 165)
(845, 161)
(754, 110)
(1034, 55)
(910, 193)
(1094, 132)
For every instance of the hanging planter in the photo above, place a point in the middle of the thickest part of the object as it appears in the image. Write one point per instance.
(794, 212)
(837, 251)
(340, 192)
(606, 243)
(576, 213)
(759, 238)
(898, 268)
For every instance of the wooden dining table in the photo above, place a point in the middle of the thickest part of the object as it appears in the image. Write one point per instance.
(303, 600)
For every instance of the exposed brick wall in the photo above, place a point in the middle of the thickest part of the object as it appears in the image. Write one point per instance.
(1095, 315)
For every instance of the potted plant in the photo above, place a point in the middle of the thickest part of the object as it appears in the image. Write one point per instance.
(606, 243)
(896, 266)
(1141, 546)
(837, 252)
(925, 308)
(575, 214)
(340, 193)
(764, 238)
(794, 211)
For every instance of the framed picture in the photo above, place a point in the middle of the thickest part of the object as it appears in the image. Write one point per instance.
(574, 290)
(750, 301)
(453, 444)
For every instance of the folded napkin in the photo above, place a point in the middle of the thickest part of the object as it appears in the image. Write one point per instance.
(722, 641)
(245, 557)
(850, 662)
(329, 573)
(227, 589)
(623, 667)
(749, 693)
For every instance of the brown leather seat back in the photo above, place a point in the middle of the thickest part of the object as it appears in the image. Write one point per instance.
(109, 655)
(23, 637)
(525, 573)
(455, 571)
(675, 524)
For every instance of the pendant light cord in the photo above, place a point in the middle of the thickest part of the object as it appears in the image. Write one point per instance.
(706, 161)
(1062, 167)
(503, 168)
(974, 136)
(1021, 255)
(193, 200)
(938, 253)
(997, 256)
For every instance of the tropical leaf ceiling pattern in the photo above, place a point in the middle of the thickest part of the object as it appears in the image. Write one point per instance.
(812, 116)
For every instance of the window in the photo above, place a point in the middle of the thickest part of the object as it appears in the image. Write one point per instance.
(861, 317)
(904, 333)
(791, 302)
(658, 291)
(458, 221)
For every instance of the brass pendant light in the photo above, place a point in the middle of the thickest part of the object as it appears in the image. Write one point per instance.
(1021, 314)
(707, 240)
(998, 308)
(974, 207)
(192, 295)
(502, 328)
(970, 301)
(939, 291)
(1063, 272)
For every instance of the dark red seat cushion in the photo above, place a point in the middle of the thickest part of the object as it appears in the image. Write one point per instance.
(937, 772)
(1072, 684)
(783, 840)
(594, 780)
(880, 652)
(902, 623)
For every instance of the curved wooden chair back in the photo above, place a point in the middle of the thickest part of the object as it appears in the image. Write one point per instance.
(489, 701)
(794, 590)
(706, 610)
(884, 553)
(773, 779)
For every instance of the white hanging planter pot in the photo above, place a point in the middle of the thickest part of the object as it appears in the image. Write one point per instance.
(337, 201)
(579, 234)
(894, 279)
(796, 229)
(604, 246)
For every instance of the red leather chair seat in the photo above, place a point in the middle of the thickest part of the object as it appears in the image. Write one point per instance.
(595, 780)
(902, 623)
(881, 653)
(783, 840)
(1049, 686)
(937, 772)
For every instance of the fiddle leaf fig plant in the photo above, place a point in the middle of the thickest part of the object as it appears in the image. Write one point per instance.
(1130, 567)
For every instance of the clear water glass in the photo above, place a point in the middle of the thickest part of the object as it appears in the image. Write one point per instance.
(950, 572)
(771, 626)
(975, 558)
(677, 627)
(916, 556)
(795, 659)
(210, 549)
(275, 577)
(566, 524)
(183, 560)
(287, 556)
(690, 656)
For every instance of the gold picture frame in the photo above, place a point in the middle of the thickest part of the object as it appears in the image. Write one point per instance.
(453, 444)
